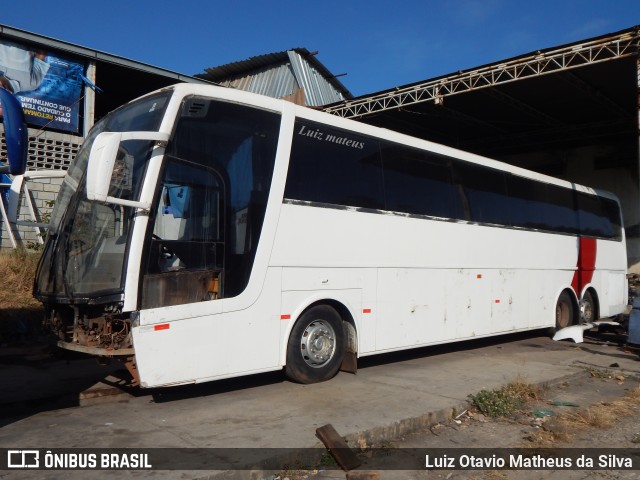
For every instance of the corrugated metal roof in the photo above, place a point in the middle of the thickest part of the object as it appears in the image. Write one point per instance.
(95, 55)
(280, 74)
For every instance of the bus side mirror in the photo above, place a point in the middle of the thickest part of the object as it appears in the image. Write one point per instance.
(102, 159)
(15, 132)
(100, 167)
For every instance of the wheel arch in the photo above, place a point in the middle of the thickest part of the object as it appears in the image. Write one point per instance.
(574, 302)
(596, 299)
(341, 306)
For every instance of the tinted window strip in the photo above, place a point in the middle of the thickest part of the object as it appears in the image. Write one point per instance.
(391, 177)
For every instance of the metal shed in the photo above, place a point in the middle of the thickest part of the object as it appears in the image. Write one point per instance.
(294, 74)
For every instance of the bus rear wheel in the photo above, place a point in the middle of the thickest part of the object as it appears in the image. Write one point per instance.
(587, 308)
(316, 346)
(564, 311)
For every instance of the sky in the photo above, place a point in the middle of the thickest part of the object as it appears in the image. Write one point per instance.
(378, 44)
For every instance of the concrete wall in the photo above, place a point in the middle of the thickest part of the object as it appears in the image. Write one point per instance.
(43, 193)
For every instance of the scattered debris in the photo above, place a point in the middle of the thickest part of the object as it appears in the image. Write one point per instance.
(435, 427)
(543, 413)
(461, 414)
(562, 403)
(576, 332)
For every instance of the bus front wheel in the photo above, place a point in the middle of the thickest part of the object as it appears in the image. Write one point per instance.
(564, 311)
(316, 346)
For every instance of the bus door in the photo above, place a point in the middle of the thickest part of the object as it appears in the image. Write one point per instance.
(185, 261)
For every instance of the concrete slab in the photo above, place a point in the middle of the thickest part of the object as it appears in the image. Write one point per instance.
(389, 397)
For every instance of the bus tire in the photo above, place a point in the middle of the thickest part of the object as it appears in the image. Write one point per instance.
(316, 346)
(564, 311)
(587, 308)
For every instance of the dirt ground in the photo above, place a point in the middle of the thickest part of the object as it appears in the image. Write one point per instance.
(606, 416)
(592, 409)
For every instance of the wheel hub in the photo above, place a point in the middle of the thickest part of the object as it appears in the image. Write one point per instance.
(587, 311)
(318, 343)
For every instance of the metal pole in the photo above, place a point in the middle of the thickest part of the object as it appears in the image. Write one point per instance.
(89, 100)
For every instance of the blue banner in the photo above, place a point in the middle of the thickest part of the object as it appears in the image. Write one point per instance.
(5, 181)
(48, 85)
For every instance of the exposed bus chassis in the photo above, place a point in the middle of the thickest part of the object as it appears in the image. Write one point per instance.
(103, 335)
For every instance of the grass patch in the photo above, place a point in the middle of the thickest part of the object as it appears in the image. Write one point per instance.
(17, 271)
(560, 428)
(506, 400)
(599, 373)
(606, 414)
(21, 313)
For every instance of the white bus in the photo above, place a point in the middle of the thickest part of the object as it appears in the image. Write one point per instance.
(204, 233)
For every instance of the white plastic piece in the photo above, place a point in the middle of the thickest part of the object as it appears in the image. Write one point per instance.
(576, 332)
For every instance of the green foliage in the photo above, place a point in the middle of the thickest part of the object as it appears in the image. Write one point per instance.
(505, 401)
(327, 461)
(496, 403)
(598, 373)
(45, 218)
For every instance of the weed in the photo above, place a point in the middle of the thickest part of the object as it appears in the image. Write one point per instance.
(21, 313)
(525, 391)
(599, 373)
(545, 438)
(599, 416)
(507, 400)
(604, 415)
(496, 403)
(17, 270)
(633, 395)
(36, 246)
(327, 461)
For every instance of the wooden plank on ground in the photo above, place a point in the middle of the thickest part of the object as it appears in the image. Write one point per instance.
(338, 447)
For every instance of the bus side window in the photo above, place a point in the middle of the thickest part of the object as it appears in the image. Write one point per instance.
(419, 182)
(336, 167)
(186, 253)
(485, 190)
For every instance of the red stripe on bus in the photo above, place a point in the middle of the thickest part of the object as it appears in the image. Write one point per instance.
(285, 317)
(586, 264)
(164, 326)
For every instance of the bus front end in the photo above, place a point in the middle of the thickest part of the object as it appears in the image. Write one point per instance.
(159, 219)
(81, 275)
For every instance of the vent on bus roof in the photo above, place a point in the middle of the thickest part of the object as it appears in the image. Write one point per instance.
(196, 108)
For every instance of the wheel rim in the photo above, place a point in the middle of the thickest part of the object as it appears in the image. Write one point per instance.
(318, 343)
(587, 311)
(563, 315)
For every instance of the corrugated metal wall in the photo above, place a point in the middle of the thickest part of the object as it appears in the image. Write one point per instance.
(318, 91)
(283, 80)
